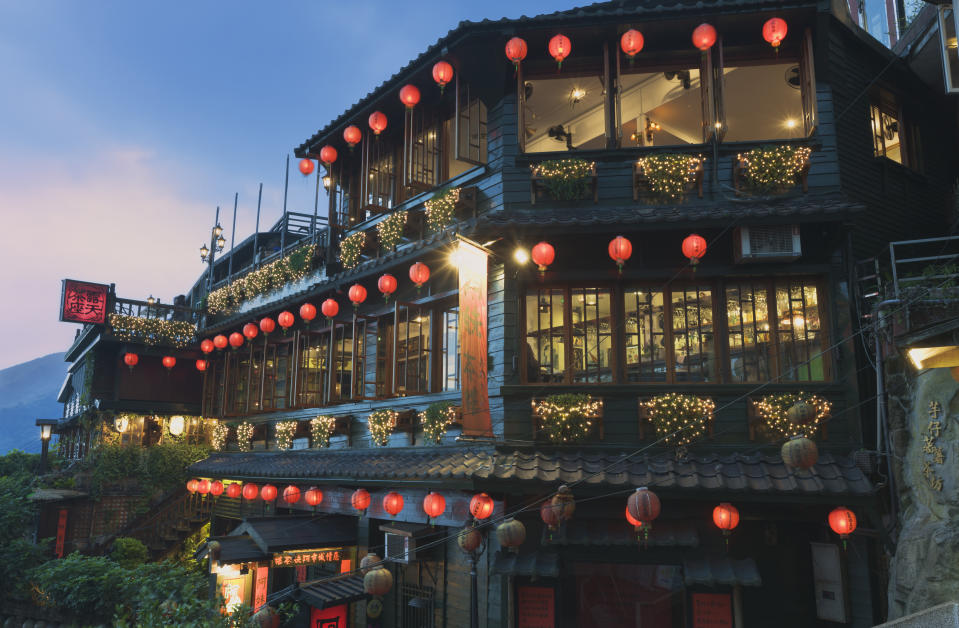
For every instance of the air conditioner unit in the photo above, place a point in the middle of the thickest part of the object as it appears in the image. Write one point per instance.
(400, 548)
(773, 243)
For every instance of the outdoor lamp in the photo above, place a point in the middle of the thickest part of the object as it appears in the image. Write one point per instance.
(220, 243)
(151, 300)
(46, 429)
(204, 252)
(327, 181)
(217, 230)
(177, 424)
(121, 423)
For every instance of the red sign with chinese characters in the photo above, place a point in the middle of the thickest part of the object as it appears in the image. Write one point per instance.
(536, 607)
(472, 262)
(712, 610)
(82, 302)
(333, 617)
(301, 558)
(260, 586)
(61, 532)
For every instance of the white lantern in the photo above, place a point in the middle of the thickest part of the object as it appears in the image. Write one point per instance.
(177, 423)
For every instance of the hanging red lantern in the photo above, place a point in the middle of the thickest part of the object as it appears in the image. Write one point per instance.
(442, 74)
(202, 365)
(386, 285)
(216, 488)
(704, 37)
(357, 294)
(774, 31)
(393, 503)
(409, 96)
(843, 522)
(314, 496)
(559, 48)
(234, 490)
(203, 487)
(286, 320)
(511, 534)
(419, 273)
(620, 249)
(469, 539)
(726, 517)
(220, 342)
(330, 308)
(377, 122)
(251, 331)
(352, 135)
(328, 154)
(308, 312)
(694, 247)
(191, 485)
(632, 43)
(169, 362)
(516, 50)
(563, 503)
(306, 167)
(291, 494)
(434, 505)
(549, 515)
(206, 346)
(236, 340)
(131, 359)
(360, 499)
(481, 506)
(250, 491)
(633, 521)
(268, 492)
(267, 325)
(543, 255)
(644, 506)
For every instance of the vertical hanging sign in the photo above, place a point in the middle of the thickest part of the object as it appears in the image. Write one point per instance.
(472, 261)
(61, 532)
(83, 302)
(259, 587)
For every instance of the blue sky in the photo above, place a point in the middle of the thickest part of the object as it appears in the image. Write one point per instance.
(124, 124)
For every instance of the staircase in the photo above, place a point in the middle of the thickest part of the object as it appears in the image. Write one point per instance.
(169, 523)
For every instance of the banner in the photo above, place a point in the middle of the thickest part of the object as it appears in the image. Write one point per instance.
(712, 610)
(82, 302)
(260, 586)
(472, 262)
(536, 607)
(61, 532)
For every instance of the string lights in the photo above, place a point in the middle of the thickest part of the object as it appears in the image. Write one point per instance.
(321, 429)
(771, 168)
(285, 431)
(350, 249)
(567, 418)
(381, 424)
(390, 230)
(244, 436)
(565, 179)
(435, 419)
(679, 419)
(266, 279)
(440, 209)
(669, 175)
(774, 413)
(152, 331)
(218, 435)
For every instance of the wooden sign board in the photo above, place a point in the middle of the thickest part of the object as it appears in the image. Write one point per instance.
(536, 607)
(712, 610)
(83, 302)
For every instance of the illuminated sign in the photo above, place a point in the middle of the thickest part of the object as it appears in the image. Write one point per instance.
(302, 558)
(471, 261)
(82, 302)
(232, 591)
(260, 586)
(334, 617)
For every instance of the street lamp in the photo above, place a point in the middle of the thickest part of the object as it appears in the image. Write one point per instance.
(208, 253)
(46, 432)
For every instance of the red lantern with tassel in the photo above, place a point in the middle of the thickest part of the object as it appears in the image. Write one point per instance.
(202, 365)
(191, 485)
(434, 505)
(131, 359)
(328, 155)
(409, 96)
(694, 247)
(291, 494)
(704, 37)
(234, 490)
(286, 320)
(220, 342)
(726, 518)
(481, 506)
(377, 122)
(250, 491)
(267, 325)
(203, 487)
(360, 499)
(251, 331)
(308, 312)
(516, 50)
(393, 503)
(774, 31)
(843, 522)
(268, 492)
(236, 340)
(352, 135)
(543, 255)
(644, 506)
(357, 294)
(169, 362)
(207, 346)
(386, 285)
(442, 74)
(620, 249)
(559, 48)
(632, 43)
(419, 273)
(306, 167)
(314, 496)
(330, 308)
(216, 488)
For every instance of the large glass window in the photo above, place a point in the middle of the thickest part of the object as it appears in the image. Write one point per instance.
(545, 335)
(413, 350)
(763, 101)
(660, 108)
(343, 363)
(564, 113)
(591, 318)
(238, 381)
(450, 349)
(799, 331)
(694, 353)
(278, 374)
(645, 336)
(313, 369)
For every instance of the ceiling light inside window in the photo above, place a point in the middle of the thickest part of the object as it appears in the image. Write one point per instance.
(576, 95)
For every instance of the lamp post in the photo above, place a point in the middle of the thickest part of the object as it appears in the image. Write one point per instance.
(46, 431)
(208, 254)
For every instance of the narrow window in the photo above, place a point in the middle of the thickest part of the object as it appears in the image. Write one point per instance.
(276, 386)
(469, 136)
(413, 350)
(592, 355)
(450, 355)
(313, 362)
(694, 356)
(798, 331)
(545, 336)
(645, 336)
(747, 323)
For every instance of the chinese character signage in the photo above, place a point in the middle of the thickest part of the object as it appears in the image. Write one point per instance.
(302, 558)
(233, 594)
(260, 586)
(333, 617)
(82, 302)
(712, 610)
(472, 336)
(536, 607)
(931, 448)
(61, 532)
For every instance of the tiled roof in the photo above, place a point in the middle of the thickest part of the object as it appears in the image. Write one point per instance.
(721, 571)
(323, 594)
(755, 473)
(539, 564)
(234, 549)
(274, 534)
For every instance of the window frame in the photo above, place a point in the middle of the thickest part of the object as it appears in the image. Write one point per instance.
(889, 103)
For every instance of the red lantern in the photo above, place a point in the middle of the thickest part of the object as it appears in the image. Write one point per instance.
(550, 515)
(191, 485)
(694, 247)
(201, 365)
(633, 521)
(481, 506)
(291, 494)
(285, 319)
(419, 273)
(631, 42)
(308, 312)
(559, 48)
(206, 346)
(386, 285)
(434, 504)
(620, 249)
(314, 496)
(328, 154)
(393, 503)
(726, 517)
(330, 308)
(543, 255)
(306, 167)
(774, 31)
(250, 330)
(250, 491)
(442, 74)
(843, 522)
(644, 506)
(216, 488)
(234, 490)
(409, 96)
(267, 325)
(516, 50)
(357, 294)
(377, 122)
(220, 341)
(203, 487)
(704, 37)
(131, 359)
(360, 499)
(352, 135)
(268, 492)
(169, 361)
(236, 340)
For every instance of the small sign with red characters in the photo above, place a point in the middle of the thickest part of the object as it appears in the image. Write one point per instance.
(83, 302)
(302, 558)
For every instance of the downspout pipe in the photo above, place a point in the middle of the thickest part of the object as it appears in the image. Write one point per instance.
(882, 431)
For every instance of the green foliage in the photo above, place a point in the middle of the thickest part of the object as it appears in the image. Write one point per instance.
(158, 468)
(566, 179)
(16, 511)
(441, 208)
(770, 169)
(17, 557)
(19, 462)
(568, 417)
(435, 420)
(265, 279)
(89, 364)
(152, 331)
(129, 552)
(668, 174)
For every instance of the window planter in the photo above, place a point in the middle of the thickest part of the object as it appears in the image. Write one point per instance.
(567, 418)
(771, 170)
(667, 177)
(768, 416)
(563, 180)
(678, 420)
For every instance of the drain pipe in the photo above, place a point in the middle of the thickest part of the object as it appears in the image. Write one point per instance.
(882, 430)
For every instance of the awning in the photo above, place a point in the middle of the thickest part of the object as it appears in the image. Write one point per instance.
(323, 594)
(721, 571)
(54, 495)
(604, 532)
(234, 549)
(277, 534)
(530, 564)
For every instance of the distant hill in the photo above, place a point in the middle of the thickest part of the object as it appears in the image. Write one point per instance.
(28, 392)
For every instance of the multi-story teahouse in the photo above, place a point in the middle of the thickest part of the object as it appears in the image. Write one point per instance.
(617, 259)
